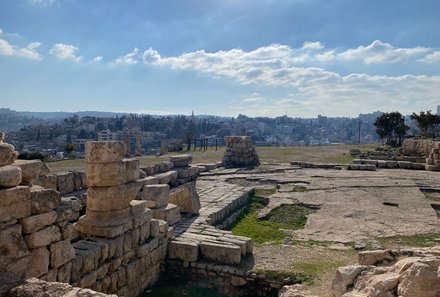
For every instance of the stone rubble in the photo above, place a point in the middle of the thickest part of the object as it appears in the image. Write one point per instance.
(240, 152)
(433, 159)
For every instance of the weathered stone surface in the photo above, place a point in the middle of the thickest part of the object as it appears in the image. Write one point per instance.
(60, 253)
(39, 263)
(181, 160)
(15, 203)
(65, 273)
(344, 278)
(169, 213)
(65, 182)
(89, 226)
(12, 245)
(111, 198)
(37, 222)
(44, 169)
(420, 280)
(156, 195)
(105, 174)
(167, 177)
(182, 250)
(10, 176)
(226, 254)
(7, 154)
(43, 237)
(44, 200)
(186, 198)
(131, 170)
(105, 151)
(373, 257)
(49, 181)
(77, 181)
(30, 169)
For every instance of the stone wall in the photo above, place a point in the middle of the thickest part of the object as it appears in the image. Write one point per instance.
(417, 147)
(240, 152)
(112, 239)
(433, 160)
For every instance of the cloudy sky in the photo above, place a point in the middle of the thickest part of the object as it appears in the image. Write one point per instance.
(223, 57)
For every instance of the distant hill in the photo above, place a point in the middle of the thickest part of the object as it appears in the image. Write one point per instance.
(59, 115)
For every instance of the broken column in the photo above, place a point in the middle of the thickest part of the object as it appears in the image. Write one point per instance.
(240, 152)
(112, 185)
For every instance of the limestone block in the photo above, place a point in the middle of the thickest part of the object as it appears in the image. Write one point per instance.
(167, 177)
(49, 181)
(144, 231)
(88, 280)
(404, 164)
(108, 198)
(156, 195)
(133, 271)
(169, 213)
(131, 170)
(186, 198)
(65, 273)
(30, 169)
(185, 251)
(12, 245)
(44, 169)
(91, 227)
(391, 164)
(7, 154)
(105, 151)
(154, 227)
(37, 222)
(18, 266)
(106, 174)
(10, 176)
(15, 203)
(419, 280)
(226, 254)
(76, 268)
(101, 272)
(345, 277)
(43, 237)
(149, 169)
(181, 160)
(65, 182)
(77, 180)
(60, 253)
(44, 200)
(372, 257)
(39, 263)
(150, 180)
(142, 174)
(89, 254)
(68, 232)
(381, 164)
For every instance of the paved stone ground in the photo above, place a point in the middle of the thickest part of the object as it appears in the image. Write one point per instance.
(351, 203)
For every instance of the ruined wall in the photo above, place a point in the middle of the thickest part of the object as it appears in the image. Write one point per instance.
(417, 147)
(240, 152)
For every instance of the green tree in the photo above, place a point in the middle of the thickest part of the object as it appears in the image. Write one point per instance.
(391, 126)
(425, 121)
(69, 148)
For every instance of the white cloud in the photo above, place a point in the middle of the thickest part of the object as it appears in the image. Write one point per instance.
(65, 52)
(128, 59)
(312, 45)
(1, 31)
(433, 57)
(315, 90)
(42, 2)
(380, 52)
(29, 52)
(98, 59)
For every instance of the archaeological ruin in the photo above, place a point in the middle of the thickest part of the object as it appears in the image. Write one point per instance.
(120, 226)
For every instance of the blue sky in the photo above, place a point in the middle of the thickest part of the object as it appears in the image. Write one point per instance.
(224, 57)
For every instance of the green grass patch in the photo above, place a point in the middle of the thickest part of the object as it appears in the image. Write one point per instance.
(290, 216)
(418, 240)
(299, 188)
(269, 229)
(432, 196)
(290, 277)
(264, 192)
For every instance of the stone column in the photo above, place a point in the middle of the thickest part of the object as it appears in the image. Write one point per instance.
(111, 182)
(240, 152)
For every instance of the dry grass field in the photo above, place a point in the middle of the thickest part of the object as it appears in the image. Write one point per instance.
(268, 155)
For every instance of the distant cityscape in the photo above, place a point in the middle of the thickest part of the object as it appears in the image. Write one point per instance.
(49, 133)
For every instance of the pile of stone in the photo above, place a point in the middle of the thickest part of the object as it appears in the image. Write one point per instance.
(63, 182)
(406, 273)
(240, 152)
(156, 197)
(185, 172)
(372, 164)
(433, 160)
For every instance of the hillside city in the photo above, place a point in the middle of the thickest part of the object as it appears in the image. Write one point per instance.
(49, 133)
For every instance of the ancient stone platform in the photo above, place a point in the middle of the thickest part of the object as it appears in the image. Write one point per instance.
(197, 238)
